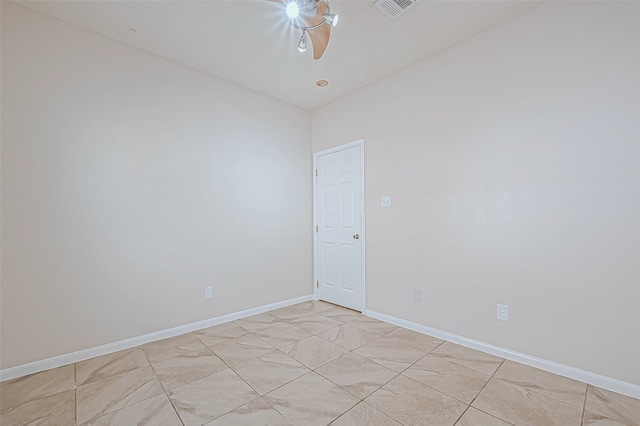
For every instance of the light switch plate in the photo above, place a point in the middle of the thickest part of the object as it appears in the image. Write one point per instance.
(208, 292)
(385, 201)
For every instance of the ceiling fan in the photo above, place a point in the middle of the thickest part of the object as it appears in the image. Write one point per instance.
(313, 18)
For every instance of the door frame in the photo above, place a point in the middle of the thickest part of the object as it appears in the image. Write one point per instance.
(360, 143)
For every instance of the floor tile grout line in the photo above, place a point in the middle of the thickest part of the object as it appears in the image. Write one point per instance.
(434, 389)
(253, 329)
(438, 390)
(122, 408)
(460, 365)
(276, 408)
(271, 391)
(173, 356)
(584, 406)
(350, 350)
(165, 391)
(603, 400)
(242, 378)
(462, 415)
(284, 384)
(190, 381)
(81, 385)
(382, 412)
(537, 392)
(363, 400)
(453, 359)
(238, 374)
(4, 409)
(488, 414)
(127, 406)
(404, 369)
(75, 393)
(227, 339)
(229, 368)
(346, 411)
(279, 322)
(485, 385)
(334, 343)
(469, 406)
(487, 382)
(236, 338)
(241, 405)
(288, 323)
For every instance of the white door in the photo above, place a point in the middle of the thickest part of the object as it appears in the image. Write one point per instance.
(339, 232)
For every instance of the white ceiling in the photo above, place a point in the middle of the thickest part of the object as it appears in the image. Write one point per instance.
(250, 43)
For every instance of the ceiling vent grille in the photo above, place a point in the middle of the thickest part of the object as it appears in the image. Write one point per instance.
(394, 8)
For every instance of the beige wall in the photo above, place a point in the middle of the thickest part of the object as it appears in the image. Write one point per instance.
(512, 160)
(129, 183)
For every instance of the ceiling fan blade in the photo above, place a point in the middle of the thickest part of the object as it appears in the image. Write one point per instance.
(319, 36)
(320, 40)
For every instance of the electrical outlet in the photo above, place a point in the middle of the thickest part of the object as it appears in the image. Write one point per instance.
(208, 292)
(417, 295)
(385, 201)
(503, 313)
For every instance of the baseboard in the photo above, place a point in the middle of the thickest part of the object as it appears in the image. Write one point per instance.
(594, 379)
(59, 361)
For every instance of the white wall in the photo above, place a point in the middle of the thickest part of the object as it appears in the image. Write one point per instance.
(513, 162)
(129, 183)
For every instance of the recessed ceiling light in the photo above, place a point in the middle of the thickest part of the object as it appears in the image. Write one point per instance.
(322, 83)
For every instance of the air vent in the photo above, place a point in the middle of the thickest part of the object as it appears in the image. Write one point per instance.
(394, 8)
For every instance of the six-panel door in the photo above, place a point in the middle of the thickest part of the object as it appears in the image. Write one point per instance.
(339, 219)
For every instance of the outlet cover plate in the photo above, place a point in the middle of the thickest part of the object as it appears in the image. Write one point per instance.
(417, 295)
(503, 312)
(385, 201)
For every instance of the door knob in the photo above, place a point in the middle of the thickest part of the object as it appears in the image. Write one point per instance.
(356, 236)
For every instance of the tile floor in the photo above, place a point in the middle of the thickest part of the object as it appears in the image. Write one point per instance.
(309, 364)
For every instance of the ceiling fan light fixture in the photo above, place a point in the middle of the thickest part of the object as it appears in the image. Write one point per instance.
(302, 44)
(331, 19)
(314, 19)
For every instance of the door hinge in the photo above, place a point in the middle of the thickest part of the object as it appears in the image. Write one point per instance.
(316, 172)
(316, 284)
(316, 228)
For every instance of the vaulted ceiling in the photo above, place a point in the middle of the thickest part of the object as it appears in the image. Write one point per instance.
(251, 44)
